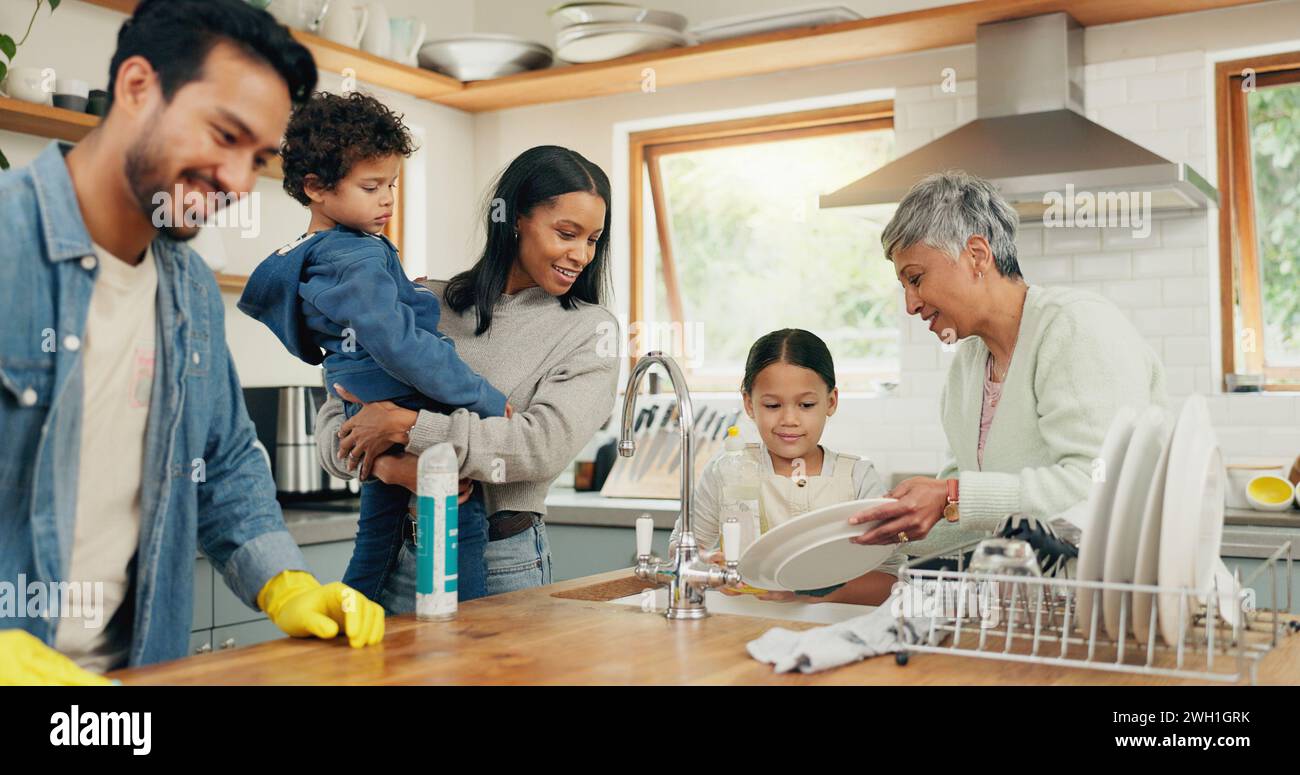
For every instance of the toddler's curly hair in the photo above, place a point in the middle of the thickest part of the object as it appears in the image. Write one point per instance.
(330, 133)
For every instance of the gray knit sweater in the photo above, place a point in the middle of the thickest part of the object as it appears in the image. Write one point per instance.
(559, 370)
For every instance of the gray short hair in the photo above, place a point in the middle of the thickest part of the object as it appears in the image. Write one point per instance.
(945, 209)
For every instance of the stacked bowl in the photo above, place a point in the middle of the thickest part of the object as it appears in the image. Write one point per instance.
(595, 32)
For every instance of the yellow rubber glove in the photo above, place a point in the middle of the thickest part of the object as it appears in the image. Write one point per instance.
(26, 661)
(300, 606)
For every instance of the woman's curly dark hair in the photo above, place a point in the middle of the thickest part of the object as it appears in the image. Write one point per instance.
(330, 133)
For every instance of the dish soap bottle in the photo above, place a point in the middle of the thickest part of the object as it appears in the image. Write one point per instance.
(739, 488)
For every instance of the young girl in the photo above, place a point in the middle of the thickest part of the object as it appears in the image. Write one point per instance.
(789, 392)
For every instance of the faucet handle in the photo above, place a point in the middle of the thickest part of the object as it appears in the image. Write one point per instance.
(645, 533)
(731, 542)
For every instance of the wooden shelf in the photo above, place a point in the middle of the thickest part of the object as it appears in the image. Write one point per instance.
(60, 124)
(792, 49)
(386, 73)
(44, 120)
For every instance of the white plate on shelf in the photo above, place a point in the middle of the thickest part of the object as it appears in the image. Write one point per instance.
(769, 21)
(1192, 519)
(1101, 500)
(1146, 570)
(1129, 508)
(600, 41)
(813, 550)
(572, 14)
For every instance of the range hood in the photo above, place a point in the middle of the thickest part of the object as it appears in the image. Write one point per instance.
(1029, 138)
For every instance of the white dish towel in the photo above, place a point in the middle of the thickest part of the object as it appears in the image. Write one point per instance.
(822, 648)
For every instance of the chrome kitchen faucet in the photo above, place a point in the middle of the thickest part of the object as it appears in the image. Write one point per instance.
(687, 574)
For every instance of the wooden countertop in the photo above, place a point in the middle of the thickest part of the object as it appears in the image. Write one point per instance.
(532, 637)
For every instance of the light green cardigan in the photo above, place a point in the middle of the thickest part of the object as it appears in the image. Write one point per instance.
(1077, 360)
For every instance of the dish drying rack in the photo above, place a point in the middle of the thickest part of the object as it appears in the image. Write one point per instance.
(1034, 621)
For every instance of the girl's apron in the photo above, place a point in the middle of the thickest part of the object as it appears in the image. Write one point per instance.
(782, 498)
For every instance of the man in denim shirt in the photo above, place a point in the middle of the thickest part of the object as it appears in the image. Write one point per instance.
(104, 502)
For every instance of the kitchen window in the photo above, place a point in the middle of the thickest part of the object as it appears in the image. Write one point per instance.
(1258, 106)
(728, 243)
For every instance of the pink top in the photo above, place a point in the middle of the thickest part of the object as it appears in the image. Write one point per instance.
(992, 392)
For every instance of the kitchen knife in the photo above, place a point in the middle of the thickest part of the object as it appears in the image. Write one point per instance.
(663, 439)
(699, 434)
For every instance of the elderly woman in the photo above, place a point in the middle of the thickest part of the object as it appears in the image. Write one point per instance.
(1038, 376)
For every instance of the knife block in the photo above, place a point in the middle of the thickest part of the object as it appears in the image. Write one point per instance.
(652, 472)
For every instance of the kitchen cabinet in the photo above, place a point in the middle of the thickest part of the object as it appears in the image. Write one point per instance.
(203, 581)
(579, 550)
(233, 636)
(1246, 547)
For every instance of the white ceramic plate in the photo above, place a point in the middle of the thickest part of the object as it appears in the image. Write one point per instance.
(600, 41)
(767, 21)
(813, 550)
(572, 14)
(1127, 512)
(1192, 518)
(1101, 499)
(1148, 547)
(1229, 609)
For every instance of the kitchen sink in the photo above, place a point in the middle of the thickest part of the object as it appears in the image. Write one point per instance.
(747, 605)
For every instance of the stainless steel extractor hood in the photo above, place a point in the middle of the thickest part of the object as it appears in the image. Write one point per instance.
(1029, 138)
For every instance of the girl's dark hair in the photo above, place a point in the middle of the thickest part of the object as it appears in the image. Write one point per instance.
(789, 345)
(331, 133)
(176, 37)
(536, 177)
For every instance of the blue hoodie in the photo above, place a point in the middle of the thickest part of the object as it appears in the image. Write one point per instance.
(343, 291)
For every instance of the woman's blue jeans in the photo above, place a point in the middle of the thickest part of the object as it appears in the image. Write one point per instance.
(379, 542)
(521, 561)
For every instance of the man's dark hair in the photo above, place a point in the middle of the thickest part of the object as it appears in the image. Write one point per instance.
(331, 133)
(177, 35)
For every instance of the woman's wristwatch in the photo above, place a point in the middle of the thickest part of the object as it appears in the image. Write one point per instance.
(950, 511)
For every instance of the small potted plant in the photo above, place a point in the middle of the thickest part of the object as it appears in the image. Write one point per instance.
(9, 48)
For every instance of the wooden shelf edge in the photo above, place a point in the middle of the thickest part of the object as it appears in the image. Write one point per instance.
(386, 73)
(44, 120)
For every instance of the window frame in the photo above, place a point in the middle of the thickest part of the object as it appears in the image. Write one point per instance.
(1239, 274)
(646, 148)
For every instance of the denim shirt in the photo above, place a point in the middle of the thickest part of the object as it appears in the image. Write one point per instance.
(205, 486)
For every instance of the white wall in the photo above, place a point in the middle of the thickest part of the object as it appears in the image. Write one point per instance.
(1146, 80)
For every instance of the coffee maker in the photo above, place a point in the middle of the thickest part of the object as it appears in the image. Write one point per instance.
(285, 418)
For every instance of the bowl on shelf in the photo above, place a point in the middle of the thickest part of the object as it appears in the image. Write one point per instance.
(573, 14)
(600, 41)
(1241, 471)
(1270, 492)
(770, 21)
(480, 57)
(1244, 383)
(71, 94)
(29, 84)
